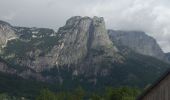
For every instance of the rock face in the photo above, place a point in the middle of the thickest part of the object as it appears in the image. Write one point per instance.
(168, 56)
(6, 33)
(78, 37)
(138, 42)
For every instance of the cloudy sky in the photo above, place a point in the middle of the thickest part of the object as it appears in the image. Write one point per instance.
(151, 16)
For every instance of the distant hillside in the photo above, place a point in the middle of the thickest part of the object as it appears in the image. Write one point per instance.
(139, 42)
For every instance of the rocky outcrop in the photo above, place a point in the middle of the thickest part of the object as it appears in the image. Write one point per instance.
(139, 42)
(6, 33)
(78, 37)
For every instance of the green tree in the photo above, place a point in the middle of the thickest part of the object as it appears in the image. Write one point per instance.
(122, 93)
(77, 94)
(4, 97)
(96, 97)
(62, 96)
(46, 94)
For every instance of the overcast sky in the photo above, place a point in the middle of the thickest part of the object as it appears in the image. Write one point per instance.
(151, 16)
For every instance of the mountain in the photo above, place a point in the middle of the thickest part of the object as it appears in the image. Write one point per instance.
(79, 36)
(70, 45)
(6, 33)
(139, 42)
(168, 56)
(83, 53)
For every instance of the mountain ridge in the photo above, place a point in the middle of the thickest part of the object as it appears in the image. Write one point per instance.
(81, 52)
(139, 42)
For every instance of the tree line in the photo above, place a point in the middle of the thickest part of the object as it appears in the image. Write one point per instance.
(110, 93)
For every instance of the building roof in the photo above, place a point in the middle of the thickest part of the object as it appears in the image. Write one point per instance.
(154, 85)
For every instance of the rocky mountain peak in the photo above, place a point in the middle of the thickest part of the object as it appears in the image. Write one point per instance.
(73, 20)
(98, 20)
(6, 33)
(79, 36)
(100, 37)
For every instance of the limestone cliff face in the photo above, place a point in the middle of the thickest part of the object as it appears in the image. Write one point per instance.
(78, 37)
(99, 34)
(138, 42)
(6, 33)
